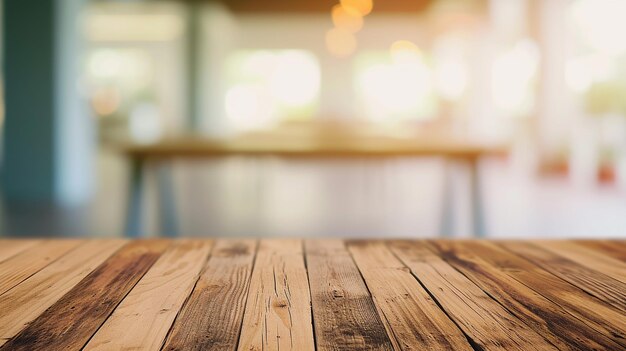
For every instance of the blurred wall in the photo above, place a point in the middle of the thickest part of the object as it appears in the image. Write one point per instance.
(48, 136)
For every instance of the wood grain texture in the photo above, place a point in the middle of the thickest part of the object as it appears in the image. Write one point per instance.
(603, 287)
(413, 318)
(10, 248)
(343, 311)
(25, 302)
(548, 319)
(482, 319)
(142, 320)
(30, 261)
(211, 318)
(587, 257)
(315, 295)
(615, 249)
(591, 311)
(278, 311)
(278, 145)
(71, 321)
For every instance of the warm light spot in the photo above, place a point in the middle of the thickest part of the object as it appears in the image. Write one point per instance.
(340, 43)
(347, 18)
(405, 51)
(364, 7)
(105, 101)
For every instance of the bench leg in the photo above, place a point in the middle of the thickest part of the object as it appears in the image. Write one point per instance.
(167, 207)
(447, 220)
(476, 196)
(135, 197)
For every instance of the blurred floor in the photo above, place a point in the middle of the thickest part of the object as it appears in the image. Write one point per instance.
(394, 198)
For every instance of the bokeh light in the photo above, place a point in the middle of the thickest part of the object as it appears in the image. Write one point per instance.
(399, 87)
(364, 7)
(340, 43)
(267, 86)
(347, 18)
(404, 51)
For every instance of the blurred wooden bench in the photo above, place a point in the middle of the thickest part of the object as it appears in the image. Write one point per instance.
(297, 146)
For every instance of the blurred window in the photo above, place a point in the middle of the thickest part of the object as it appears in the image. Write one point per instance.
(405, 83)
(269, 86)
(514, 79)
(134, 77)
(396, 85)
(596, 68)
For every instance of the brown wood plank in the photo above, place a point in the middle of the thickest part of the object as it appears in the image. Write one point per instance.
(587, 257)
(211, 318)
(10, 248)
(142, 320)
(593, 312)
(547, 318)
(278, 310)
(25, 302)
(71, 321)
(482, 319)
(593, 282)
(30, 261)
(344, 313)
(615, 249)
(413, 318)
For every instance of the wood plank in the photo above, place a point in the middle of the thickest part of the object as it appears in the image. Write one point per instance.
(10, 248)
(28, 300)
(482, 319)
(72, 320)
(587, 257)
(30, 261)
(615, 249)
(142, 320)
(211, 318)
(344, 313)
(547, 318)
(414, 319)
(593, 312)
(593, 282)
(278, 310)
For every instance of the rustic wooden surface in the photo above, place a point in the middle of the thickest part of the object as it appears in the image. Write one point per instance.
(326, 294)
(302, 147)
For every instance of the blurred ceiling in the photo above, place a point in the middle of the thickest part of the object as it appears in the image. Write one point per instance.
(322, 6)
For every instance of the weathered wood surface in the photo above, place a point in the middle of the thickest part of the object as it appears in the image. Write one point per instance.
(211, 319)
(326, 294)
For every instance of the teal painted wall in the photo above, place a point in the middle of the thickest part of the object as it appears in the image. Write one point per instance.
(48, 136)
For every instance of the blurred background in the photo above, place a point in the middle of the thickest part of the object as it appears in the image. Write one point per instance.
(543, 79)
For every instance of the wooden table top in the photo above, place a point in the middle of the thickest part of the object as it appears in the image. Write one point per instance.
(327, 294)
(294, 147)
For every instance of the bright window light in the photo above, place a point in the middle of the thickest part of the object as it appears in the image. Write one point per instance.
(395, 86)
(268, 86)
(513, 76)
(601, 24)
